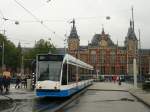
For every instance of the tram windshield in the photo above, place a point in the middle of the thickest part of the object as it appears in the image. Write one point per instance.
(49, 70)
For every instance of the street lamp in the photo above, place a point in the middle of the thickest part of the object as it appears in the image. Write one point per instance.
(100, 71)
(149, 66)
(65, 43)
(107, 17)
(2, 49)
(135, 67)
(22, 59)
(3, 56)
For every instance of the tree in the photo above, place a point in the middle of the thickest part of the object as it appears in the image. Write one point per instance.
(13, 55)
(10, 55)
(41, 47)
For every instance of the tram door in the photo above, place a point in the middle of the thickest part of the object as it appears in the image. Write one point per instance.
(64, 75)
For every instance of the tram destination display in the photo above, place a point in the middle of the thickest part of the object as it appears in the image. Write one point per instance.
(50, 57)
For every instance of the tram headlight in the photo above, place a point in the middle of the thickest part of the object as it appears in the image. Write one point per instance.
(40, 87)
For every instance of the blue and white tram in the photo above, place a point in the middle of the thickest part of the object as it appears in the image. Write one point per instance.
(61, 75)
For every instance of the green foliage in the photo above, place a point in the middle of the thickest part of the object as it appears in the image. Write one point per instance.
(13, 55)
(10, 55)
(41, 47)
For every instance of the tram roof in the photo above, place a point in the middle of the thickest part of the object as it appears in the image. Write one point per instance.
(74, 61)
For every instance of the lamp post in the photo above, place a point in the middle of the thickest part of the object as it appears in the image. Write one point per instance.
(22, 60)
(100, 64)
(22, 63)
(3, 51)
(3, 56)
(149, 66)
(65, 45)
(135, 72)
(77, 69)
(135, 66)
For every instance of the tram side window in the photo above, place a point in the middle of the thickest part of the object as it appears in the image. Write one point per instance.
(71, 73)
(81, 74)
(84, 74)
(64, 75)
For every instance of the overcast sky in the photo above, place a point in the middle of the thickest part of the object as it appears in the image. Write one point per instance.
(89, 15)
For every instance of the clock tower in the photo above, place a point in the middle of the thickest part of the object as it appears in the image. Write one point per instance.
(73, 40)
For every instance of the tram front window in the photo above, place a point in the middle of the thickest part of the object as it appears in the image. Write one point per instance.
(49, 70)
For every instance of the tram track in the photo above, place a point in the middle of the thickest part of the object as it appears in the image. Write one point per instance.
(8, 98)
(40, 104)
(59, 104)
(63, 104)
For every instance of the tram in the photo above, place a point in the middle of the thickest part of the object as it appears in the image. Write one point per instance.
(61, 75)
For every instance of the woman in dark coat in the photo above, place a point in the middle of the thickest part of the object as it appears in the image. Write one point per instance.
(6, 83)
(1, 84)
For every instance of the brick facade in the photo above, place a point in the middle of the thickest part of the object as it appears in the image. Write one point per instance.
(108, 58)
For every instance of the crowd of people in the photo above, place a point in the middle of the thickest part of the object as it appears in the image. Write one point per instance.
(111, 78)
(21, 81)
(6, 79)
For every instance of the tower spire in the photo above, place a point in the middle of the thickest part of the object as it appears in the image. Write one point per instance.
(130, 23)
(73, 33)
(73, 23)
(132, 18)
(103, 32)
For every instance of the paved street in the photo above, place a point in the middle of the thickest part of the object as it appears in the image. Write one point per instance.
(111, 97)
(110, 86)
(18, 94)
(106, 101)
(101, 96)
(137, 92)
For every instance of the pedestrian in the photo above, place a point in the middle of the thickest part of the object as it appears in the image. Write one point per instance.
(6, 80)
(18, 81)
(22, 81)
(119, 81)
(25, 81)
(1, 83)
(114, 78)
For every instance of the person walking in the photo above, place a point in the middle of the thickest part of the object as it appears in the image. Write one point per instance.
(1, 83)
(18, 81)
(6, 80)
(119, 81)
(25, 83)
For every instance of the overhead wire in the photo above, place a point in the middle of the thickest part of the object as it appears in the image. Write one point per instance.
(42, 21)
(37, 19)
(27, 10)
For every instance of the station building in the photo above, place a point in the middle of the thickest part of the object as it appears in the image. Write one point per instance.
(107, 57)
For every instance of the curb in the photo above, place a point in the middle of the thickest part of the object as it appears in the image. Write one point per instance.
(129, 91)
(140, 99)
(108, 90)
